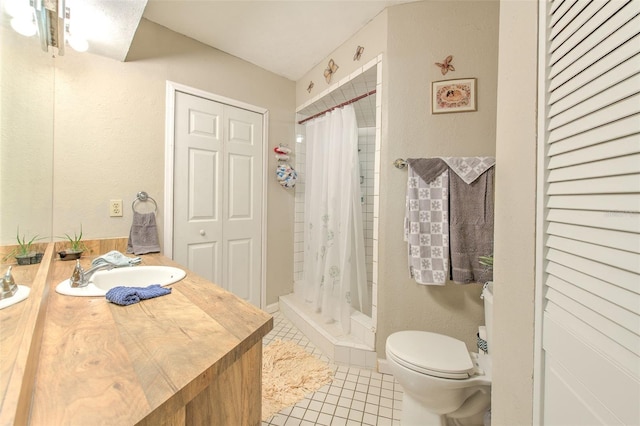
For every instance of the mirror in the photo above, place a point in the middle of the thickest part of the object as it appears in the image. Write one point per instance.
(26, 137)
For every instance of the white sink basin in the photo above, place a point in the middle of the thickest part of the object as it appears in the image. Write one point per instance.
(134, 276)
(21, 294)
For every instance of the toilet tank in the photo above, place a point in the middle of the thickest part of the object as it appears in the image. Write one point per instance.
(487, 296)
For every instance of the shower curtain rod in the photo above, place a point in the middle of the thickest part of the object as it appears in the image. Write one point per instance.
(350, 101)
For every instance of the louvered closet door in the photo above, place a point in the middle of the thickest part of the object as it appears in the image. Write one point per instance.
(590, 337)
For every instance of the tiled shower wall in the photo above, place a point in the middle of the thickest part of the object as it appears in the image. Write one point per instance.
(298, 238)
(366, 154)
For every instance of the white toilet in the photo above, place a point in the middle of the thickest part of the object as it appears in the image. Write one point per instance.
(444, 384)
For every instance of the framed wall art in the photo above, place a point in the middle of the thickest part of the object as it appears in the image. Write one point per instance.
(453, 96)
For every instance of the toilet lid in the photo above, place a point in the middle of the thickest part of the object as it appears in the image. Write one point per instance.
(431, 353)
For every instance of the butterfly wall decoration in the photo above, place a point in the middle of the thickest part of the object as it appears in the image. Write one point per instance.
(446, 66)
(310, 86)
(332, 67)
(358, 54)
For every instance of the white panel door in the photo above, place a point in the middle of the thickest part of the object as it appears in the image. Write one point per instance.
(218, 193)
(197, 235)
(242, 203)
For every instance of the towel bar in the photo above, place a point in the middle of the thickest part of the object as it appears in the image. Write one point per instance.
(142, 197)
(400, 163)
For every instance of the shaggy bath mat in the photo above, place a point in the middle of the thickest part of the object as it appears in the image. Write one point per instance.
(288, 374)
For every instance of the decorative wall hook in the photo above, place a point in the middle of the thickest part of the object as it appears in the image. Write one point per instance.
(282, 152)
(310, 86)
(285, 174)
(446, 66)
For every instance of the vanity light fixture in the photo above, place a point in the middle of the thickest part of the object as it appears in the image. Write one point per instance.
(77, 43)
(50, 19)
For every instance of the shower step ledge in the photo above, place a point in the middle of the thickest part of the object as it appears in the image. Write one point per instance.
(341, 348)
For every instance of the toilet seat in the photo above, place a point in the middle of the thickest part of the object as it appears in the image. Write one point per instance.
(431, 353)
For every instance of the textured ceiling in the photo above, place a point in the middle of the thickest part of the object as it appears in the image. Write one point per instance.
(286, 37)
(109, 26)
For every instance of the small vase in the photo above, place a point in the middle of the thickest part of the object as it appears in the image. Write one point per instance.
(24, 259)
(69, 255)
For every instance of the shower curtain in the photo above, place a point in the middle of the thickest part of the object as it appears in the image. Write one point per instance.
(334, 259)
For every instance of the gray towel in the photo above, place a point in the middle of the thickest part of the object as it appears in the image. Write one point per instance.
(471, 226)
(143, 236)
(427, 168)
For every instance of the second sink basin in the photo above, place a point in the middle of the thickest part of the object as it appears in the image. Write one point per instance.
(134, 276)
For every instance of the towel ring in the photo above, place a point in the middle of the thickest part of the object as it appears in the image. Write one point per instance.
(143, 197)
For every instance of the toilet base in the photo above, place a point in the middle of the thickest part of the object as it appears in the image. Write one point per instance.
(475, 420)
(415, 414)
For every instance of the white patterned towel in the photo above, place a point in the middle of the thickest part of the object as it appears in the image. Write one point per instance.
(469, 168)
(426, 225)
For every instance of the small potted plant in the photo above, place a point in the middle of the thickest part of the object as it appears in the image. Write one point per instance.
(487, 262)
(23, 253)
(76, 247)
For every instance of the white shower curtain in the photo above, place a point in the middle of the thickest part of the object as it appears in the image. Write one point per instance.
(334, 258)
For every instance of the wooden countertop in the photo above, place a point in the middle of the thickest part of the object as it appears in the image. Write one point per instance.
(14, 320)
(102, 363)
(20, 331)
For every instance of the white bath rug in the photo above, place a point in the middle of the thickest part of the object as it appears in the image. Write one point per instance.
(288, 374)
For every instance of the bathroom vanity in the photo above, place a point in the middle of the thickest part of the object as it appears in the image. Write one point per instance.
(192, 357)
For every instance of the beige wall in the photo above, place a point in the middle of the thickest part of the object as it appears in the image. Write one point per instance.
(421, 34)
(515, 215)
(374, 39)
(26, 135)
(412, 38)
(116, 114)
(109, 133)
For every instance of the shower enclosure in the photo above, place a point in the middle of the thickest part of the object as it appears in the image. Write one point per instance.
(350, 338)
(334, 280)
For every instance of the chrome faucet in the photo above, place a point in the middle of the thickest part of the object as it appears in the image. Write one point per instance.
(8, 287)
(80, 277)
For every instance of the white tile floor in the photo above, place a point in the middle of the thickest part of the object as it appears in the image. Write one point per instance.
(355, 397)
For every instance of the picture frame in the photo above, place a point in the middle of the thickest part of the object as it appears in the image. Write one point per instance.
(457, 95)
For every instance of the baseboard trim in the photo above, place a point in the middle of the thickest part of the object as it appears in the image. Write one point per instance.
(272, 308)
(383, 366)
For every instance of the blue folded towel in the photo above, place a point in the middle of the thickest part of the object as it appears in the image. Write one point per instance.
(130, 295)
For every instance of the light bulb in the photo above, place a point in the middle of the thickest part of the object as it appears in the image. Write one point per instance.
(78, 44)
(25, 27)
(17, 8)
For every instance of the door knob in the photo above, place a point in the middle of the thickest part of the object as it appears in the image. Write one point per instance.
(202, 232)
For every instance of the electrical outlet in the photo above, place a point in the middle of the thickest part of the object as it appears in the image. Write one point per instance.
(115, 208)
